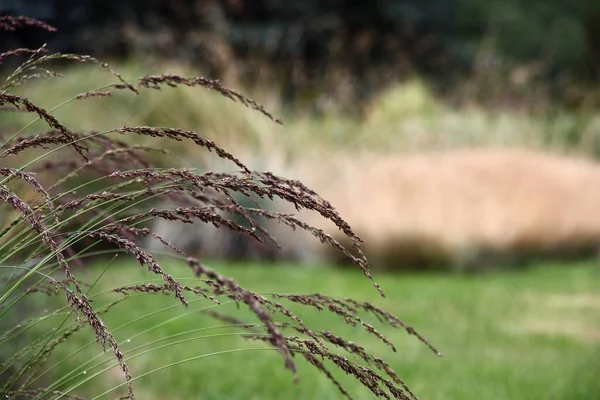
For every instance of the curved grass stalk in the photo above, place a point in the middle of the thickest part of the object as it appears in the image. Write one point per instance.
(33, 360)
(57, 383)
(137, 377)
(133, 356)
(67, 243)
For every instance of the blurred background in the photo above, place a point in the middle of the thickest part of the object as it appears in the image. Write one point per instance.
(451, 135)
(447, 133)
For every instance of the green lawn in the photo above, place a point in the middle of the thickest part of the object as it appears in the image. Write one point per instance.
(533, 334)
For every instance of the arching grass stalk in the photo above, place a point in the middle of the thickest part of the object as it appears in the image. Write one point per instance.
(57, 217)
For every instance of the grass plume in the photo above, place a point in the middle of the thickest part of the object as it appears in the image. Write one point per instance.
(73, 194)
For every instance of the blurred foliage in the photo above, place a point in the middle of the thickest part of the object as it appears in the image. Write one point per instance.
(346, 48)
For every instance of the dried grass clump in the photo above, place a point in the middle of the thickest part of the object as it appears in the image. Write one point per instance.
(52, 227)
(468, 208)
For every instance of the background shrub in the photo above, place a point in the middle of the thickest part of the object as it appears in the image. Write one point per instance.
(348, 49)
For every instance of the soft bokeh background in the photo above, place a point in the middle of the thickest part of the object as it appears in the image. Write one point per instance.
(452, 135)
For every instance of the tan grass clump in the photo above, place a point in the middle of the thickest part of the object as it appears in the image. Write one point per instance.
(462, 207)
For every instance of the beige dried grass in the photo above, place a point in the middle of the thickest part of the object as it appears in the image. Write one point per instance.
(453, 207)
